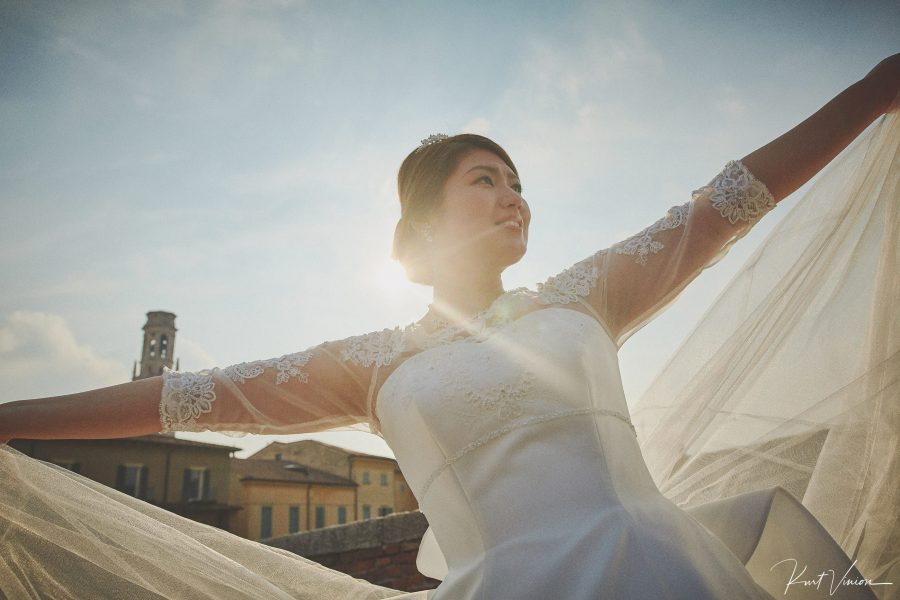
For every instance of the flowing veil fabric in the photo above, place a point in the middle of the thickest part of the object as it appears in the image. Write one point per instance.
(792, 378)
(65, 536)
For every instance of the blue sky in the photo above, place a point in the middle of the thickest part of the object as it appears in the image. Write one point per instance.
(235, 162)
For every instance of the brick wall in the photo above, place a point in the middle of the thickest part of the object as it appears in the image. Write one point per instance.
(382, 551)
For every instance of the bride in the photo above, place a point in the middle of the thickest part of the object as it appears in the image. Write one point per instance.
(506, 412)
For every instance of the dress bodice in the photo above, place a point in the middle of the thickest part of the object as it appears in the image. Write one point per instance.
(517, 444)
(549, 364)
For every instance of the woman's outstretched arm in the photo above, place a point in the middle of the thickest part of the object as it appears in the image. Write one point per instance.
(123, 410)
(323, 387)
(635, 279)
(792, 159)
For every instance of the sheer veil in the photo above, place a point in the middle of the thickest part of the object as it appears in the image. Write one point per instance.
(792, 378)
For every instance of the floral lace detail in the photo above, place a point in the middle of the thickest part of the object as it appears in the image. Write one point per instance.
(568, 285)
(501, 431)
(376, 348)
(504, 399)
(735, 193)
(287, 366)
(642, 244)
(738, 195)
(502, 310)
(185, 396)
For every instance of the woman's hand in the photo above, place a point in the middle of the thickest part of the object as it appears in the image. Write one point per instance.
(886, 76)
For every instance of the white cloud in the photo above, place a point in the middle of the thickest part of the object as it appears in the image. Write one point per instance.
(193, 356)
(571, 95)
(40, 356)
(729, 102)
(478, 125)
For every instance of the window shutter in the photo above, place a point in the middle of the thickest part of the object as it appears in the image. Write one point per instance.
(144, 475)
(265, 525)
(186, 486)
(120, 478)
(205, 495)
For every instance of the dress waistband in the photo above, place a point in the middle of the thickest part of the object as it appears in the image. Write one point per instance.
(517, 425)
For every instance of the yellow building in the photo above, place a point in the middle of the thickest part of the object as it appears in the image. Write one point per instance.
(281, 497)
(186, 477)
(382, 489)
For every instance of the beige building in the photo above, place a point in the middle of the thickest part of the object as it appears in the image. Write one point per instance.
(186, 477)
(382, 489)
(280, 497)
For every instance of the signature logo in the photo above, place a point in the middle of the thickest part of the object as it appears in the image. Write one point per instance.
(816, 581)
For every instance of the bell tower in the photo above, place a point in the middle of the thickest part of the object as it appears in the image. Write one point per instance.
(159, 345)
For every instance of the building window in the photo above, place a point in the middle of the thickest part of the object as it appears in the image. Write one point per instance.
(163, 346)
(384, 511)
(265, 522)
(278, 456)
(132, 479)
(320, 517)
(342, 514)
(195, 484)
(365, 478)
(402, 487)
(293, 519)
(383, 479)
(152, 347)
(367, 511)
(69, 465)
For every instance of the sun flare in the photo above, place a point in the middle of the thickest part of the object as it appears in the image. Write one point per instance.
(391, 278)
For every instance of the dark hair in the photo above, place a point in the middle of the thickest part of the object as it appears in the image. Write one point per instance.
(420, 183)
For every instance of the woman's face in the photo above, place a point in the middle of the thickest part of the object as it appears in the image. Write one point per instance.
(483, 216)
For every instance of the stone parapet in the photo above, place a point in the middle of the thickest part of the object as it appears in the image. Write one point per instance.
(382, 551)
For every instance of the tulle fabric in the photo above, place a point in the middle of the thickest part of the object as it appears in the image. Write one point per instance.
(64, 536)
(792, 378)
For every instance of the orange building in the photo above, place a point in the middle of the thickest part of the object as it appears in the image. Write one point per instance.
(281, 497)
(382, 489)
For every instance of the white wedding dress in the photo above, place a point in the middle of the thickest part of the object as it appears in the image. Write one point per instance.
(531, 476)
(512, 430)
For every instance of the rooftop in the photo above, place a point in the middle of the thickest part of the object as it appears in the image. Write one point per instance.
(252, 469)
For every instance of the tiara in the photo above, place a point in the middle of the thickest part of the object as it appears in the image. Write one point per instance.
(434, 138)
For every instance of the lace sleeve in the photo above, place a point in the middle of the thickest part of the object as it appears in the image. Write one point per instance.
(632, 281)
(324, 387)
(648, 270)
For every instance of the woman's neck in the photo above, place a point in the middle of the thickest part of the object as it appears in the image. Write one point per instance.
(459, 296)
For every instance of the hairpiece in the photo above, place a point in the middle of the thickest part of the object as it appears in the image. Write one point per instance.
(432, 139)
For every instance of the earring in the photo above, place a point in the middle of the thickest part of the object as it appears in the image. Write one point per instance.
(426, 232)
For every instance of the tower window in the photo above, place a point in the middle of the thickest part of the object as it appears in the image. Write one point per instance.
(163, 346)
